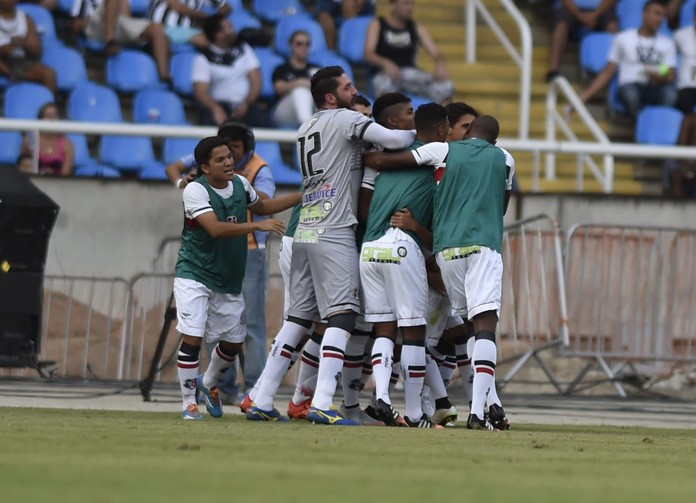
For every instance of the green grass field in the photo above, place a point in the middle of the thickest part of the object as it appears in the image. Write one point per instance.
(101, 456)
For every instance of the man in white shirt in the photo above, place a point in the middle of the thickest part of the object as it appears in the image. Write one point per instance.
(226, 76)
(645, 60)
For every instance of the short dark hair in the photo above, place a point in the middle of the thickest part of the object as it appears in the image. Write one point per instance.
(44, 107)
(323, 82)
(205, 147)
(383, 104)
(212, 25)
(485, 127)
(299, 32)
(458, 108)
(651, 2)
(429, 116)
(362, 100)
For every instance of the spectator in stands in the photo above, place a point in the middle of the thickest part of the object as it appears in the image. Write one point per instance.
(460, 117)
(55, 150)
(362, 105)
(392, 44)
(226, 76)
(182, 18)
(291, 83)
(568, 18)
(685, 39)
(331, 13)
(645, 60)
(110, 21)
(680, 175)
(20, 48)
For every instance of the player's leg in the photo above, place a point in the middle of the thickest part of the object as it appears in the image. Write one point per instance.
(353, 373)
(307, 375)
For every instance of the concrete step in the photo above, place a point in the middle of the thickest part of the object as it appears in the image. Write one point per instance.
(568, 185)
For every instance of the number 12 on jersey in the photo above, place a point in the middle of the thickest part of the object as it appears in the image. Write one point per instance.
(306, 163)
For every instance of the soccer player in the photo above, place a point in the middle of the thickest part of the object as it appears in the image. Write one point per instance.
(393, 274)
(210, 269)
(324, 269)
(470, 201)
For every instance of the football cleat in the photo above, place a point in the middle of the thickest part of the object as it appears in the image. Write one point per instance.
(192, 413)
(256, 414)
(423, 422)
(372, 412)
(299, 411)
(497, 418)
(330, 416)
(388, 414)
(359, 416)
(474, 423)
(212, 398)
(246, 403)
(444, 416)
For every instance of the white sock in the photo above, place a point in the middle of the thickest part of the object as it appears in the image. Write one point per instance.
(447, 368)
(394, 379)
(219, 364)
(464, 365)
(484, 358)
(367, 363)
(413, 371)
(433, 378)
(333, 350)
(493, 397)
(307, 375)
(187, 367)
(352, 369)
(277, 363)
(382, 361)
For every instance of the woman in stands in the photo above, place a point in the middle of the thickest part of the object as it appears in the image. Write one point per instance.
(55, 150)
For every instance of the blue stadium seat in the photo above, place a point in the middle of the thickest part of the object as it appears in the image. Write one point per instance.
(180, 67)
(10, 146)
(268, 60)
(155, 106)
(236, 4)
(282, 173)
(139, 8)
(594, 51)
(177, 48)
(241, 19)
(686, 13)
(153, 171)
(630, 14)
(330, 58)
(43, 20)
(351, 38)
(96, 170)
(4, 82)
(95, 103)
(417, 100)
(132, 71)
(81, 150)
(68, 64)
(126, 153)
(24, 99)
(658, 125)
(614, 105)
(273, 11)
(64, 6)
(290, 24)
(176, 148)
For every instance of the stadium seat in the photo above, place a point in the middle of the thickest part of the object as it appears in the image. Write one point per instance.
(658, 125)
(594, 51)
(614, 105)
(10, 146)
(132, 71)
(630, 14)
(268, 60)
(153, 171)
(68, 64)
(686, 13)
(24, 99)
(95, 103)
(282, 173)
(290, 24)
(126, 153)
(139, 8)
(180, 67)
(43, 20)
(155, 106)
(236, 4)
(4, 81)
(81, 150)
(330, 58)
(176, 148)
(97, 170)
(417, 100)
(273, 11)
(241, 19)
(351, 38)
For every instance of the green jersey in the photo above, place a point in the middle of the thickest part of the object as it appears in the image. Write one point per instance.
(470, 198)
(294, 220)
(399, 189)
(218, 263)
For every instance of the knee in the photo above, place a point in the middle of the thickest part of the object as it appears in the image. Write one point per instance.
(344, 321)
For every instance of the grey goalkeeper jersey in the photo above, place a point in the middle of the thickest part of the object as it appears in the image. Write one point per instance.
(329, 147)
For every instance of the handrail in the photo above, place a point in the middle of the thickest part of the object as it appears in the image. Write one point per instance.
(554, 118)
(523, 59)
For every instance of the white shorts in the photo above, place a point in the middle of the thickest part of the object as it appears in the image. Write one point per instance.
(200, 312)
(439, 317)
(394, 280)
(473, 277)
(284, 258)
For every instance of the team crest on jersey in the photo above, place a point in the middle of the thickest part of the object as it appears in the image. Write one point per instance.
(232, 219)
(327, 206)
(401, 251)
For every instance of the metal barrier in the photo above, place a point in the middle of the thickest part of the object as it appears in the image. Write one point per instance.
(633, 292)
(533, 314)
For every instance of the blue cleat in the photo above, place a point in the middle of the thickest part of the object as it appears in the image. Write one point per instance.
(330, 416)
(192, 413)
(256, 414)
(212, 398)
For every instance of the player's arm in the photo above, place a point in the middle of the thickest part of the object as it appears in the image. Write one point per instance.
(509, 175)
(431, 154)
(217, 229)
(275, 205)
(182, 171)
(392, 139)
(435, 276)
(367, 190)
(403, 219)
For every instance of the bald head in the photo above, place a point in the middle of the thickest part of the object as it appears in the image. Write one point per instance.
(485, 127)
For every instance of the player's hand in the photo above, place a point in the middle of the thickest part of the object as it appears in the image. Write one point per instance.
(272, 225)
(403, 219)
(372, 159)
(188, 178)
(435, 282)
